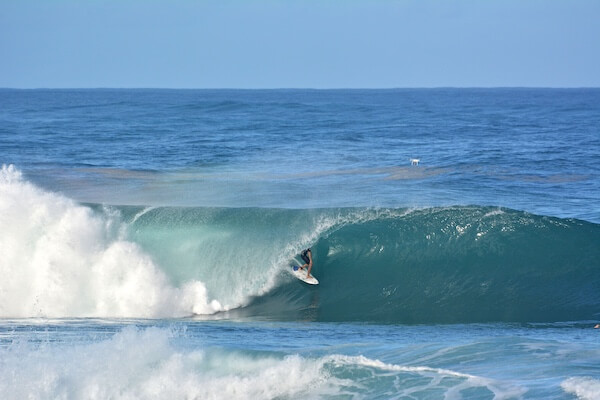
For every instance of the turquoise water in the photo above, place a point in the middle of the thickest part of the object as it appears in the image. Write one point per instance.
(146, 239)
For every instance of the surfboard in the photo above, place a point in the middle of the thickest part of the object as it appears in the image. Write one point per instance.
(301, 274)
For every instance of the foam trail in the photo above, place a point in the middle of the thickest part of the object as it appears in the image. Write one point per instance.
(60, 259)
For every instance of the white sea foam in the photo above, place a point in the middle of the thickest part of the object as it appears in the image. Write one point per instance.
(148, 364)
(585, 387)
(142, 364)
(61, 259)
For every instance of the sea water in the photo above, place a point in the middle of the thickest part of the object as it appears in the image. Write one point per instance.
(146, 238)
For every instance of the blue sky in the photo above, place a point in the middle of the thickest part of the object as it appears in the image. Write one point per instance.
(299, 43)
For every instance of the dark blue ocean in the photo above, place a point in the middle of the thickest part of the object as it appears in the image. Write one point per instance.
(146, 238)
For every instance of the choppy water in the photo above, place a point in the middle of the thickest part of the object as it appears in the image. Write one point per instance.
(243, 359)
(146, 237)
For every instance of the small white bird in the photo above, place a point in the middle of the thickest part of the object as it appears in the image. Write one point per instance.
(414, 161)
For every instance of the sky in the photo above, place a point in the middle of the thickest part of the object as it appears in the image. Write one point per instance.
(299, 43)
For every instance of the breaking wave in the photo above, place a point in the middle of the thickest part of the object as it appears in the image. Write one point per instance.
(436, 265)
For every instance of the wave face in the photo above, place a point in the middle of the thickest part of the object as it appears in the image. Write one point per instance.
(437, 265)
(466, 264)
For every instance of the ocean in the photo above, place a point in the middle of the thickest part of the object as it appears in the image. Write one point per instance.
(147, 238)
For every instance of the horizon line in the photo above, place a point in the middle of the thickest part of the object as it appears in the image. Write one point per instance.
(297, 88)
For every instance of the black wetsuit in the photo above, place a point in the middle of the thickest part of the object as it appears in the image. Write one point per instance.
(304, 256)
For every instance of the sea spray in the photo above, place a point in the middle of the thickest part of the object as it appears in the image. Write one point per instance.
(61, 259)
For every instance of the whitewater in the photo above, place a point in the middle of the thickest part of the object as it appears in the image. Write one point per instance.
(146, 238)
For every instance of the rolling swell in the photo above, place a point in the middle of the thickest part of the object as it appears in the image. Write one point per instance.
(448, 265)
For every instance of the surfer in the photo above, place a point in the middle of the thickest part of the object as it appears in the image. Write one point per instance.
(306, 256)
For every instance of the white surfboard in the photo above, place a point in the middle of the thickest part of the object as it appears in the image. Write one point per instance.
(301, 274)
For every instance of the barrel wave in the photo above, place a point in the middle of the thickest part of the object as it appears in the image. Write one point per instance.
(437, 265)
(451, 265)
(434, 265)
